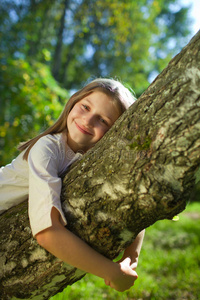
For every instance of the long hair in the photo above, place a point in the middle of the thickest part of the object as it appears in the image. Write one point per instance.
(113, 88)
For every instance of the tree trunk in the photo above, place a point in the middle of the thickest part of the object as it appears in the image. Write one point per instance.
(143, 170)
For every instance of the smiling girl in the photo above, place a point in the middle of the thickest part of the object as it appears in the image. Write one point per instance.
(36, 175)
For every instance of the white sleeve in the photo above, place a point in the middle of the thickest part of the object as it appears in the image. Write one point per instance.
(44, 185)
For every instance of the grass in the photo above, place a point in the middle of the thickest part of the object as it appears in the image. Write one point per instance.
(169, 265)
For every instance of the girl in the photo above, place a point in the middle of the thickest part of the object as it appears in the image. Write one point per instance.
(36, 172)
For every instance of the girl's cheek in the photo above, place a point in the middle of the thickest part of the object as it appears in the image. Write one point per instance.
(103, 132)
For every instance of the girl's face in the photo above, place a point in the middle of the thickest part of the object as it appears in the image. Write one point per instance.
(89, 120)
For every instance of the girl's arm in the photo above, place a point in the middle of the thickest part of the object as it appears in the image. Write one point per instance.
(69, 248)
(133, 251)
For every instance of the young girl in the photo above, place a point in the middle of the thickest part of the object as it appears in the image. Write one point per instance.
(36, 175)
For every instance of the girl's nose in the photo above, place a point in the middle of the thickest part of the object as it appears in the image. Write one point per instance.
(89, 120)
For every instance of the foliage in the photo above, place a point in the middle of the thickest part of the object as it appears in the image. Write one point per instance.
(30, 101)
(168, 265)
(128, 39)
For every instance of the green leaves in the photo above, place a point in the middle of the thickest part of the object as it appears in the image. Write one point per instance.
(30, 102)
(128, 39)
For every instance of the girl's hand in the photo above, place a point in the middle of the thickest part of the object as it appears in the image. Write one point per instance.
(125, 279)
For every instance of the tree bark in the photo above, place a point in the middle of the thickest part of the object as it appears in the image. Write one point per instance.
(143, 170)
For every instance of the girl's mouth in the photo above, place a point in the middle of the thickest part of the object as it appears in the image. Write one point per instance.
(83, 129)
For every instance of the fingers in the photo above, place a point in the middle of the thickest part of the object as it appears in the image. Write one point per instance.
(134, 265)
(126, 268)
(127, 260)
(127, 263)
(126, 279)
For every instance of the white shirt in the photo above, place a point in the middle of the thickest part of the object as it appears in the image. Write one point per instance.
(37, 179)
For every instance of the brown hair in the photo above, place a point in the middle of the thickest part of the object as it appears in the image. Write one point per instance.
(113, 88)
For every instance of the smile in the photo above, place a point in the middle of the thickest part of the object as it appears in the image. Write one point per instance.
(82, 129)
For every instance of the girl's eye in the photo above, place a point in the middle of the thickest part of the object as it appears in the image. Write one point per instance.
(103, 121)
(86, 107)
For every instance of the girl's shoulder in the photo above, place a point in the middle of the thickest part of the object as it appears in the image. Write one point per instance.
(50, 140)
(47, 145)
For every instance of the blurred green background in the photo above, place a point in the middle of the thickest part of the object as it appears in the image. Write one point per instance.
(48, 50)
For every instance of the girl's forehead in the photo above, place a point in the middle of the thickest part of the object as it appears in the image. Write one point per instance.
(104, 104)
(98, 98)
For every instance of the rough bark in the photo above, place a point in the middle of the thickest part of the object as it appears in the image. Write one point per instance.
(142, 171)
